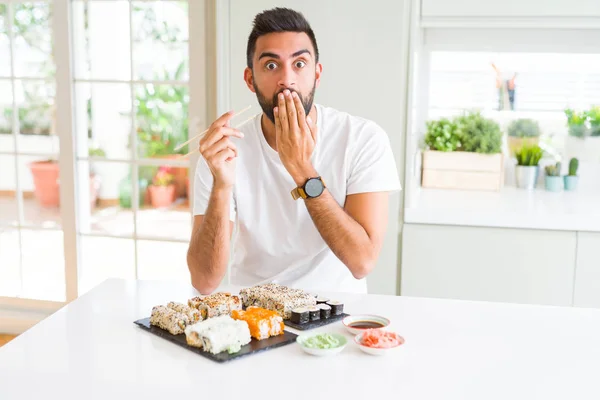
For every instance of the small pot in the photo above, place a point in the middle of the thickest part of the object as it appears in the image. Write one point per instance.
(571, 182)
(526, 176)
(162, 196)
(553, 183)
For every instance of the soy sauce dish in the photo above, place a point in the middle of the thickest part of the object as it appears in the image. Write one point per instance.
(356, 324)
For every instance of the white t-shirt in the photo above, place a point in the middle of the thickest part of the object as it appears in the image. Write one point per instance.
(276, 239)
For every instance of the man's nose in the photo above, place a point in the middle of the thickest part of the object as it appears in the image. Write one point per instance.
(287, 79)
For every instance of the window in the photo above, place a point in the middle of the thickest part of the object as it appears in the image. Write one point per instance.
(128, 81)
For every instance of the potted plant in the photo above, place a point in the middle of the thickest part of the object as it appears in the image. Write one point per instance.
(522, 132)
(442, 135)
(463, 153)
(552, 180)
(577, 123)
(527, 169)
(162, 190)
(583, 141)
(45, 175)
(570, 181)
(593, 115)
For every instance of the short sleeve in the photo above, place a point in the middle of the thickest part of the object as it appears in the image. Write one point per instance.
(372, 168)
(203, 182)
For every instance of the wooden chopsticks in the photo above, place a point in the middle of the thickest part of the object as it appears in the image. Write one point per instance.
(201, 134)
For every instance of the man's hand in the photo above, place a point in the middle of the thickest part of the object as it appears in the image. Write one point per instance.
(220, 152)
(296, 135)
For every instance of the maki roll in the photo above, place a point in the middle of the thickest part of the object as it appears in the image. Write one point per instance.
(325, 311)
(322, 300)
(315, 313)
(300, 315)
(337, 308)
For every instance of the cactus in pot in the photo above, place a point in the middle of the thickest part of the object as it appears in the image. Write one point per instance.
(572, 179)
(552, 180)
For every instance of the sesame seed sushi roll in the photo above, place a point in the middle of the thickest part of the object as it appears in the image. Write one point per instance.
(192, 313)
(169, 320)
(300, 315)
(337, 308)
(314, 312)
(325, 311)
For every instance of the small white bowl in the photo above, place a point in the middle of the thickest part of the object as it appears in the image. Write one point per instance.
(378, 351)
(349, 320)
(322, 352)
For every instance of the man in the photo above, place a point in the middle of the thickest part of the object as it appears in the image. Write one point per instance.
(306, 185)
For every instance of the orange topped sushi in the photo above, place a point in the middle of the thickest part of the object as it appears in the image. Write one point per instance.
(263, 323)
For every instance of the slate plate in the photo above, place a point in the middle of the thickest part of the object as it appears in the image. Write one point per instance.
(315, 324)
(255, 346)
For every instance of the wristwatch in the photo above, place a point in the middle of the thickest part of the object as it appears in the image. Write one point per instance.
(312, 188)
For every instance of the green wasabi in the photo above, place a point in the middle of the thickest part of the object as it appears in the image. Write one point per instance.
(322, 341)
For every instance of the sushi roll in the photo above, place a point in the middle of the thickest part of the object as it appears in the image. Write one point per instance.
(192, 313)
(169, 320)
(325, 311)
(263, 323)
(322, 300)
(218, 334)
(300, 315)
(216, 304)
(315, 313)
(337, 308)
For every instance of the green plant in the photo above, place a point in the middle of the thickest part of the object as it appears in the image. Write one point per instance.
(593, 115)
(573, 166)
(96, 152)
(161, 116)
(524, 128)
(553, 170)
(163, 178)
(442, 135)
(479, 134)
(529, 156)
(576, 121)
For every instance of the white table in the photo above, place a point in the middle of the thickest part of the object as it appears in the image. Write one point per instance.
(91, 349)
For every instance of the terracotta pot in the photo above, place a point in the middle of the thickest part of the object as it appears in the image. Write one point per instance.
(47, 186)
(45, 180)
(180, 174)
(162, 196)
(187, 189)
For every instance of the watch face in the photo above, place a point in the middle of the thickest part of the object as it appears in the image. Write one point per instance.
(313, 188)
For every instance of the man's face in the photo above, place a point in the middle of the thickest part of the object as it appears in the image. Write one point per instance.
(282, 61)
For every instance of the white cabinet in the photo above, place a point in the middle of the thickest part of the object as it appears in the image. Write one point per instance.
(587, 276)
(510, 8)
(489, 264)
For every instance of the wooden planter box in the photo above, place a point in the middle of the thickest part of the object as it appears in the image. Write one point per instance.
(463, 170)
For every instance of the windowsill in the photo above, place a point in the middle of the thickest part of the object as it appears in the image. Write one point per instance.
(509, 208)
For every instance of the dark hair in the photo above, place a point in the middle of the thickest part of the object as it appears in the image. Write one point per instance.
(278, 20)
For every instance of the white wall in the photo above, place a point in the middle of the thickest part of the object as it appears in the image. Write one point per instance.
(363, 74)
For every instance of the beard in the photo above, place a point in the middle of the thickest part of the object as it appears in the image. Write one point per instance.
(267, 105)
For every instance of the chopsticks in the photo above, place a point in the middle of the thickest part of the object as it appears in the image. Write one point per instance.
(201, 134)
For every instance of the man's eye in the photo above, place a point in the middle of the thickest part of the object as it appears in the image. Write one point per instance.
(300, 64)
(271, 66)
